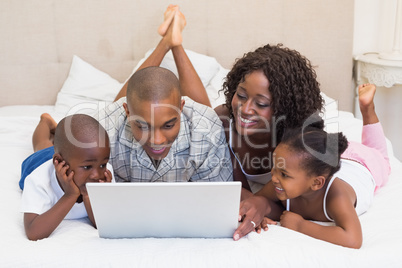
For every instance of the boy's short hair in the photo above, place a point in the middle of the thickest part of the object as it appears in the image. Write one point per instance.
(153, 84)
(79, 131)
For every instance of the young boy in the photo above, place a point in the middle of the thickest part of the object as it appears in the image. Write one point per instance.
(157, 136)
(55, 189)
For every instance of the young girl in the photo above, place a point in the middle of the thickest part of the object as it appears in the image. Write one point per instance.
(307, 181)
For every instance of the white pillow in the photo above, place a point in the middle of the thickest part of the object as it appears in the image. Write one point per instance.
(330, 104)
(84, 88)
(216, 96)
(205, 66)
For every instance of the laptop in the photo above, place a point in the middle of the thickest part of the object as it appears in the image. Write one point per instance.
(165, 210)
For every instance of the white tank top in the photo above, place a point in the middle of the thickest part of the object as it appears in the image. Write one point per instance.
(359, 178)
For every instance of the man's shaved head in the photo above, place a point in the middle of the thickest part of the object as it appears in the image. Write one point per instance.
(153, 84)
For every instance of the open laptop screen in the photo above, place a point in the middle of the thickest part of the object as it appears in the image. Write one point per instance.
(179, 209)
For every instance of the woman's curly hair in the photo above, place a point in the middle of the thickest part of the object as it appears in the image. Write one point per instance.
(292, 83)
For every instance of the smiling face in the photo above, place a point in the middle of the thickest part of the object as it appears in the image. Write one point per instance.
(155, 124)
(252, 105)
(288, 177)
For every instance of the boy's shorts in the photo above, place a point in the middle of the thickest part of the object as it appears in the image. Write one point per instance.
(33, 161)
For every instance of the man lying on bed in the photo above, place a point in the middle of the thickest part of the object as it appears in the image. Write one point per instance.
(154, 134)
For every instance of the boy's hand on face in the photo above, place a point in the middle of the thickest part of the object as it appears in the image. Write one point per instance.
(83, 188)
(108, 176)
(67, 181)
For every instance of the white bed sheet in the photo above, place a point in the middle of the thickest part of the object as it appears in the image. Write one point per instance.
(76, 242)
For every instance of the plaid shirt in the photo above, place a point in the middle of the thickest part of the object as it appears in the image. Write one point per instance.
(199, 153)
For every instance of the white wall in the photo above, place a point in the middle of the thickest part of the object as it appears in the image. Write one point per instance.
(374, 25)
(373, 32)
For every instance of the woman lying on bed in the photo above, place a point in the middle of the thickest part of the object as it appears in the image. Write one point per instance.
(268, 90)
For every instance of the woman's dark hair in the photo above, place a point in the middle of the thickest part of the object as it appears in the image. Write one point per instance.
(321, 151)
(293, 84)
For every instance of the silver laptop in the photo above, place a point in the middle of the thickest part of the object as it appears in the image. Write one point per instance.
(176, 209)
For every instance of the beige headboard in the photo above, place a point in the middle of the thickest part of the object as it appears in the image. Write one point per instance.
(39, 37)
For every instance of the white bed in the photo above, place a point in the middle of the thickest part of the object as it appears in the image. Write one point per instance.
(76, 242)
(38, 41)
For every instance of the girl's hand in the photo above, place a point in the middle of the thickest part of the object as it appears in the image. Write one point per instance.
(291, 220)
(66, 181)
(264, 224)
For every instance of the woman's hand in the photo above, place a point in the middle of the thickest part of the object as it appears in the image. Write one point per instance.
(251, 215)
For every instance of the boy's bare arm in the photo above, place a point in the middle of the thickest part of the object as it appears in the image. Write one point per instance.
(41, 226)
(88, 208)
(85, 197)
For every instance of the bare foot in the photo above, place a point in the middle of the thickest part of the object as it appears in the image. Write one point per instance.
(173, 35)
(168, 18)
(43, 136)
(366, 102)
(366, 95)
(48, 119)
